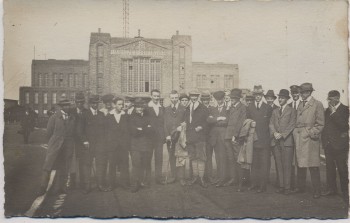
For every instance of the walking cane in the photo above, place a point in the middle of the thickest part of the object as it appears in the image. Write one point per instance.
(169, 144)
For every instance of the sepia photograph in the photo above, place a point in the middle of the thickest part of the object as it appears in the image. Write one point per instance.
(149, 109)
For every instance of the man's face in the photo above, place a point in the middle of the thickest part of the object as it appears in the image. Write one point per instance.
(305, 94)
(194, 98)
(108, 106)
(155, 97)
(66, 108)
(94, 106)
(138, 110)
(227, 98)
(282, 100)
(270, 100)
(220, 101)
(174, 98)
(184, 102)
(333, 101)
(205, 102)
(258, 97)
(127, 104)
(79, 104)
(295, 96)
(234, 101)
(119, 105)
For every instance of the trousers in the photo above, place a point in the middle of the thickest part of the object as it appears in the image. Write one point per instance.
(141, 162)
(284, 158)
(231, 167)
(260, 166)
(315, 178)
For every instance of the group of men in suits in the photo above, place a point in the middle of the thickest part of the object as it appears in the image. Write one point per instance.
(132, 127)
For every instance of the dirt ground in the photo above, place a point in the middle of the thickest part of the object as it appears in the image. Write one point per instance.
(22, 173)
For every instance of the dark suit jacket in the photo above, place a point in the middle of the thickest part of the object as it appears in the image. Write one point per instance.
(335, 132)
(95, 130)
(157, 122)
(262, 119)
(173, 119)
(283, 124)
(80, 129)
(235, 121)
(199, 118)
(217, 128)
(141, 140)
(117, 134)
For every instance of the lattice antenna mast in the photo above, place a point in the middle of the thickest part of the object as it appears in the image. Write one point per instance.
(126, 18)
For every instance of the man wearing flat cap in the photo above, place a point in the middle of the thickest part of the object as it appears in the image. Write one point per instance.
(196, 121)
(217, 119)
(61, 134)
(184, 99)
(335, 139)
(282, 124)
(261, 113)
(236, 117)
(307, 136)
(205, 98)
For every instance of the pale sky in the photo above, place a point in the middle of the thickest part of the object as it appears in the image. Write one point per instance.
(275, 44)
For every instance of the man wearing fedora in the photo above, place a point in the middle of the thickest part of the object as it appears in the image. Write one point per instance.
(335, 139)
(270, 98)
(95, 132)
(217, 119)
(141, 145)
(282, 124)
(236, 117)
(261, 113)
(295, 92)
(174, 115)
(196, 121)
(307, 136)
(60, 132)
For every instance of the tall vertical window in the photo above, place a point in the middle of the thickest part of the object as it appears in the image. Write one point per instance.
(45, 98)
(100, 51)
(36, 98)
(60, 81)
(85, 80)
(54, 98)
(182, 52)
(99, 85)
(49, 79)
(75, 83)
(27, 97)
(141, 74)
(40, 83)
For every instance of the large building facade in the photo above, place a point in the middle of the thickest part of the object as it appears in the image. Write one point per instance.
(126, 66)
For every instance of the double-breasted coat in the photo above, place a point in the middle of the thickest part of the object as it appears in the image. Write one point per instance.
(199, 118)
(173, 118)
(217, 128)
(59, 131)
(307, 133)
(283, 123)
(236, 118)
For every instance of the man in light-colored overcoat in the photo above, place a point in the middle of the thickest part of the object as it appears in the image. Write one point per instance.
(307, 136)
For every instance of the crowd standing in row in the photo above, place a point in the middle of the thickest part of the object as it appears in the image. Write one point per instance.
(243, 134)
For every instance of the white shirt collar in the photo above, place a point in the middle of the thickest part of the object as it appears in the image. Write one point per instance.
(235, 105)
(152, 104)
(258, 104)
(176, 105)
(336, 107)
(283, 107)
(196, 104)
(93, 111)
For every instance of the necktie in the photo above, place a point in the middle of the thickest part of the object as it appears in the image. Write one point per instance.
(280, 110)
(174, 108)
(295, 105)
(257, 106)
(191, 112)
(304, 102)
(220, 109)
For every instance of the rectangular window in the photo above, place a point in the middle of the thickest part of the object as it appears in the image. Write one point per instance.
(27, 97)
(182, 52)
(205, 82)
(36, 98)
(100, 67)
(60, 81)
(45, 98)
(54, 98)
(100, 51)
(44, 112)
(75, 80)
(99, 85)
(40, 80)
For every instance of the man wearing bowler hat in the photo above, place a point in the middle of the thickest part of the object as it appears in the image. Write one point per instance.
(307, 136)
(196, 121)
(218, 118)
(335, 139)
(261, 113)
(60, 132)
(236, 117)
(282, 124)
(270, 97)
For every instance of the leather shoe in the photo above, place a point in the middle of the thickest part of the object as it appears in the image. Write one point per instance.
(316, 195)
(287, 192)
(253, 187)
(261, 189)
(215, 182)
(102, 188)
(203, 183)
(182, 182)
(134, 189)
(329, 193)
(229, 183)
(298, 191)
(280, 190)
(220, 184)
(193, 181)
(144, 184)
(86, 190)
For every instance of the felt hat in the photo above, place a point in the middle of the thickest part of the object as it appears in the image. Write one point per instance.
(270, 93)
(258, 89)
(236, 93)
(284, 93)
(219, 95)
(94, 99)
(306, 87)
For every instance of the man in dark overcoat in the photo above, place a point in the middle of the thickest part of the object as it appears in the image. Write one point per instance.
(217, 119)
(261, 113)
(28, 119)
(60, 132)
(196, 121)
(335, 139)
(174, 115)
